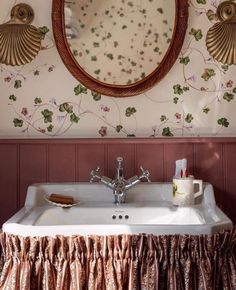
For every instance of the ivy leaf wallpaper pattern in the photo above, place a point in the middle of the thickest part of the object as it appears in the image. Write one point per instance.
(42, 99)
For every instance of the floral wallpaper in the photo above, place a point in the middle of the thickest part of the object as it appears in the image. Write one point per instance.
(43, 100)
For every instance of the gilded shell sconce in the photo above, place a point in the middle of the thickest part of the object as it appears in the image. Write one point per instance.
(221, 37)
(20, 42)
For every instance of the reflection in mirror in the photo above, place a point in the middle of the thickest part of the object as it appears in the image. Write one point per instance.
(119, 42)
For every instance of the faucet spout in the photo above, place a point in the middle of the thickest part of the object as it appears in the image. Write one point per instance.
(119, 198)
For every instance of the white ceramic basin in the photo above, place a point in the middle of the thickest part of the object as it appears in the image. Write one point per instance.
(148, 210)
(122, 216)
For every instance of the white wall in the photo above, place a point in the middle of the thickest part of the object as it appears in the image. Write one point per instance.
(47, 78)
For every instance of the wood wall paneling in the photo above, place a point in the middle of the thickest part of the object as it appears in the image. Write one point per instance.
(89, 157)
(229, 195)
(32, 168)
(209, 167)
(62, 163)
(151, 157)
(8, 181)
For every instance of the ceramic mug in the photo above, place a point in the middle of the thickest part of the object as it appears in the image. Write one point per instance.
(183, 190)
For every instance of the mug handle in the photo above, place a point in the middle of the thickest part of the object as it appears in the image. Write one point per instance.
(200, 192)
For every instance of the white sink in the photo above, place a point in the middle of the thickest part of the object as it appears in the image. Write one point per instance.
(136, 215)
(148, 209)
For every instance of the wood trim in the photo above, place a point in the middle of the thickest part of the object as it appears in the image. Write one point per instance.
(162, 140)
(152, 79)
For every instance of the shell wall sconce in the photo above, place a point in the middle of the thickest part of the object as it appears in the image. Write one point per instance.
(20, 42)
(221, 37)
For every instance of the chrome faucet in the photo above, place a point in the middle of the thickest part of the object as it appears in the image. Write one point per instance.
(119, 185)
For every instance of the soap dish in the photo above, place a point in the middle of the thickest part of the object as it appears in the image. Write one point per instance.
(46, 197)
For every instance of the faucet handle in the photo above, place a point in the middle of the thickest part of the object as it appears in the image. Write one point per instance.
(95, 174)
(145, 174)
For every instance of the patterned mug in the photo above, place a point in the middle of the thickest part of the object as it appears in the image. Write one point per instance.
(183, 190)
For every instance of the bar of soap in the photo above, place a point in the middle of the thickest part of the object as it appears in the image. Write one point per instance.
(63, 199)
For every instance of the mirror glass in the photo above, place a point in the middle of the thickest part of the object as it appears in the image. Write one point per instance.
(119, 42)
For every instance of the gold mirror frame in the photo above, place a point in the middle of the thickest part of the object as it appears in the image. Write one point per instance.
(58, 22)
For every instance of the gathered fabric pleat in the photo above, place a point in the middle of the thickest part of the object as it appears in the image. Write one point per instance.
(119, 262)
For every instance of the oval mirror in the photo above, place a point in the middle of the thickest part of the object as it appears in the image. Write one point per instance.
(119, 48)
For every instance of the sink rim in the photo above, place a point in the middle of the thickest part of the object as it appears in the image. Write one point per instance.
(19, 228)
(156, 193)
(138, 214)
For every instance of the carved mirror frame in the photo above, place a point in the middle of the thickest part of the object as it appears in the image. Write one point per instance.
(58, 23)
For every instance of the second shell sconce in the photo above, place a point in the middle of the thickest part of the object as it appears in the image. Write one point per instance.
(20, 42)
(221, 37)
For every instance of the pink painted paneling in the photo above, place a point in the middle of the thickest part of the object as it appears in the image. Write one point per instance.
(62, 163)
(89, 157)
(33, 167)
(209, 167)
(229, 196)
(23, 162)
(151, 157)
(8, 181)
(174, 152)
(127, 151)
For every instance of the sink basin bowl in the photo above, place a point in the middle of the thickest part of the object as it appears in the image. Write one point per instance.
(148, 210)
(124, 215)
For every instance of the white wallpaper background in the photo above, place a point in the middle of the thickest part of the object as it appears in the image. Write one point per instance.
(42, 99)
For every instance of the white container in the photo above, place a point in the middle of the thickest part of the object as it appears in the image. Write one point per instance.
(184, 190)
